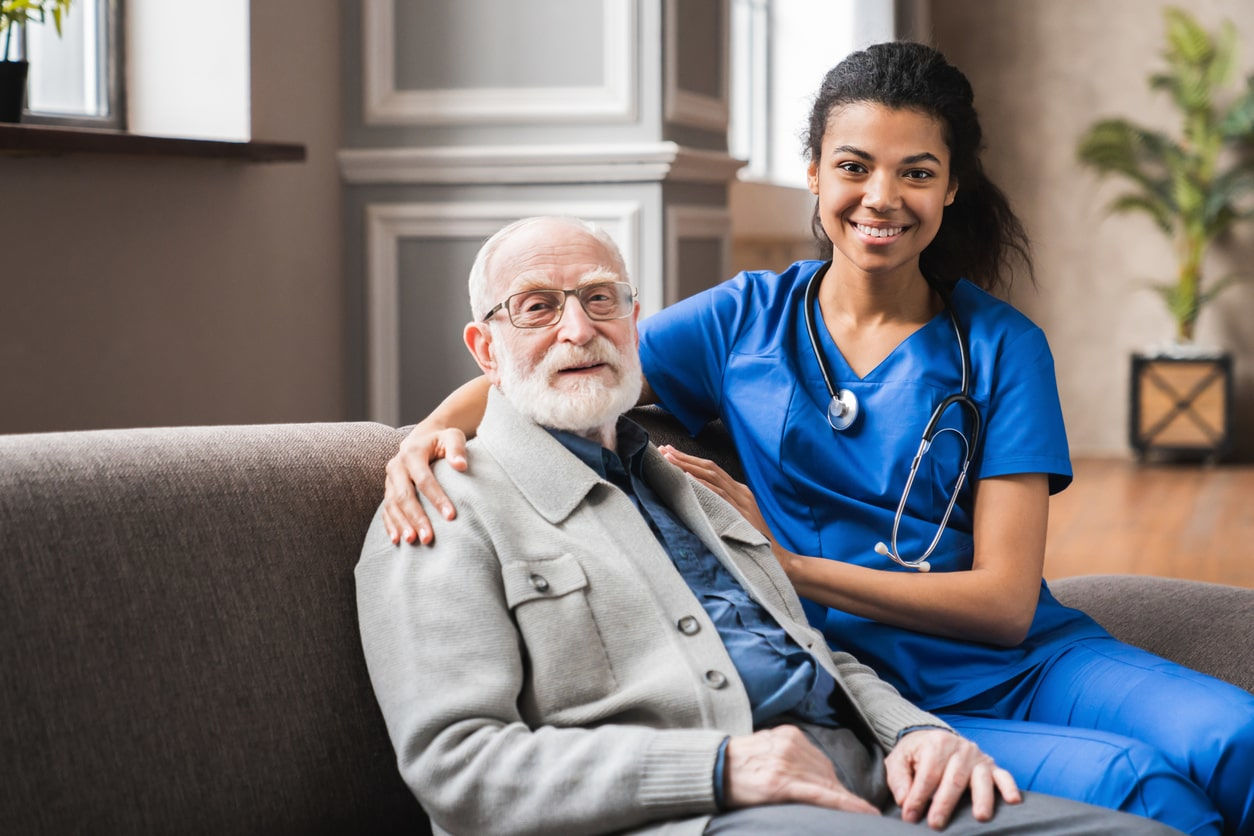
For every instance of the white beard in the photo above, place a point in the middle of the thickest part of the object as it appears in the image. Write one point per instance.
(579, 405)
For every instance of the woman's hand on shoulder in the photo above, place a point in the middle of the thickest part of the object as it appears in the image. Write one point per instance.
(409, 476)
(720, 481)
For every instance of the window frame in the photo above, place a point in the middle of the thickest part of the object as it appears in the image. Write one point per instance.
(112, 42)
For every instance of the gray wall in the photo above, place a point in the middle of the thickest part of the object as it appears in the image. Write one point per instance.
(150, 292)
(1043, 70)
(459, 118)
(145, 292)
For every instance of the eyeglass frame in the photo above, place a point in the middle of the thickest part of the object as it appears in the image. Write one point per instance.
(561, 310)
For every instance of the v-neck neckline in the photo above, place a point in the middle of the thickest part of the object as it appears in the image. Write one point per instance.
(827, 343)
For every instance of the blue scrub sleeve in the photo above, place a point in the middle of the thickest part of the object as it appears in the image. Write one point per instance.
(1023, 423)
(684, 348)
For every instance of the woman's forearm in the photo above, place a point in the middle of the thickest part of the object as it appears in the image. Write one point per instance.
(994, 601)
(462, 410)
(974, 605)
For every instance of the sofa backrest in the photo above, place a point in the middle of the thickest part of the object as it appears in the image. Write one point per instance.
(713, 442)
(179, 648)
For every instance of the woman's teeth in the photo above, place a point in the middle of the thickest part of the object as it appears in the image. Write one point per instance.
(878, 231)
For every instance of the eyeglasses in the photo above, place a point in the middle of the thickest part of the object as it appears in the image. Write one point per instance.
(541, 307)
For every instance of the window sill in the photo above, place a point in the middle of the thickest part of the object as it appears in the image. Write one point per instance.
(43, 140)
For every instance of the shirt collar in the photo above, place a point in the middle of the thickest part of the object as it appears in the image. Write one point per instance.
(632, 441)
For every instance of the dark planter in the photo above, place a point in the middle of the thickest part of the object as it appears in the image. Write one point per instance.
(1181, 405)
(12, 89)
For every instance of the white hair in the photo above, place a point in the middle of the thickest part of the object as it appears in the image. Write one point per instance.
(481, 303)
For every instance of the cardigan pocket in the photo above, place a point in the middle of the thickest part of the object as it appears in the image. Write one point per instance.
(567, 661)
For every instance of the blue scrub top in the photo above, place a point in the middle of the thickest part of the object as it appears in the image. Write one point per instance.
(740, 352)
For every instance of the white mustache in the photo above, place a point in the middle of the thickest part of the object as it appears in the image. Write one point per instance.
(567, 356)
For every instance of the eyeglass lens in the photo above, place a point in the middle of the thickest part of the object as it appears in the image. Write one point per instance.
(540, 307)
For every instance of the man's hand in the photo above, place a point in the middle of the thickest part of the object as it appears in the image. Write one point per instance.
(929, 770)
(781, 766)
(403, 514)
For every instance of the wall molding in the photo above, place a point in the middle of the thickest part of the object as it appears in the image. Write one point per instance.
(699, 223)
(613, 101)
(515, 164)
(684, 107)
(387, 224)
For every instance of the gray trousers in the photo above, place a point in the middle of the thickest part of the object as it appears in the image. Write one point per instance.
(861, 769)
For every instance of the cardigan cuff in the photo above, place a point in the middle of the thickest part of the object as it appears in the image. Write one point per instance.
(678, 772)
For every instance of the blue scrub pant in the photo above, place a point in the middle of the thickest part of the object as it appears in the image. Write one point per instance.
(1113, 725)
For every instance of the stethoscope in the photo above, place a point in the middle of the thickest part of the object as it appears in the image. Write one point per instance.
(843, 410)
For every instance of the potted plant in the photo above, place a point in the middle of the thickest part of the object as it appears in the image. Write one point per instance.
(1193, 187)
(15, 14)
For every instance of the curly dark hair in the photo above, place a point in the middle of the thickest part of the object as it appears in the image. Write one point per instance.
(980, 238)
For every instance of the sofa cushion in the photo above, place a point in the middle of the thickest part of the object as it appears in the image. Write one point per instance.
(180, 650)
(1208, 627)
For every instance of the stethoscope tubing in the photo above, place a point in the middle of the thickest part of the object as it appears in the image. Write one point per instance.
(845, 406)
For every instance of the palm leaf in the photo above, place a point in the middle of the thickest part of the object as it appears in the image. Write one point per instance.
(1160, 213)
(27, 11)
(1225, 196)
(1183, 306)
(1187, 42)
(1218, 286)
(1117, 146)
(1220, 69)
(1237, 124)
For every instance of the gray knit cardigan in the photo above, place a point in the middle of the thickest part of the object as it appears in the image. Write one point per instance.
(545, 669)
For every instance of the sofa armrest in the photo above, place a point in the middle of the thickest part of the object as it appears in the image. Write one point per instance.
(180, 650)
(1205, 626)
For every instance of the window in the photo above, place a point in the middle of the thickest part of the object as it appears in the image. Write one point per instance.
(780, 52)
(76, 79)
(747, 135)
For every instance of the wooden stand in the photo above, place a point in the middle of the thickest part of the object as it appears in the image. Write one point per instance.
(1181, 405)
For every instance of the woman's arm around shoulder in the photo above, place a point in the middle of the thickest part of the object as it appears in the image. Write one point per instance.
(441, 435)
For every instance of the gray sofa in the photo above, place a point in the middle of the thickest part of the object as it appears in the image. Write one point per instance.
(179, 648)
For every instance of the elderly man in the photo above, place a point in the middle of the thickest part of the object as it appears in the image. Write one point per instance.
(598, 643)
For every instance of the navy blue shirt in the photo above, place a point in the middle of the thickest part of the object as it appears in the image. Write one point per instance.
(780, 676)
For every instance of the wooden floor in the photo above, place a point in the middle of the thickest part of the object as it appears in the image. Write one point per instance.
(1191, 521)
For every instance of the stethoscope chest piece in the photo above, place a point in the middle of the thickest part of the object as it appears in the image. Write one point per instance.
(843, 410)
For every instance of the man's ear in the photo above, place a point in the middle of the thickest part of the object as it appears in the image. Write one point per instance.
(478, 339)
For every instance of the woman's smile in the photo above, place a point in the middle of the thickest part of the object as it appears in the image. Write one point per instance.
(880, 233)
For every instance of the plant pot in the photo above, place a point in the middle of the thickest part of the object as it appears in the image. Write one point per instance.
(1181, 404)
(12, 89)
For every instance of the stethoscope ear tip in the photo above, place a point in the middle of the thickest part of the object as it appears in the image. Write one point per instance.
(881, 549)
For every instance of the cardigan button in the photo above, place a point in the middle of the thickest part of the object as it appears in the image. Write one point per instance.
(689, 626)
(715, 680)
(538, 583)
